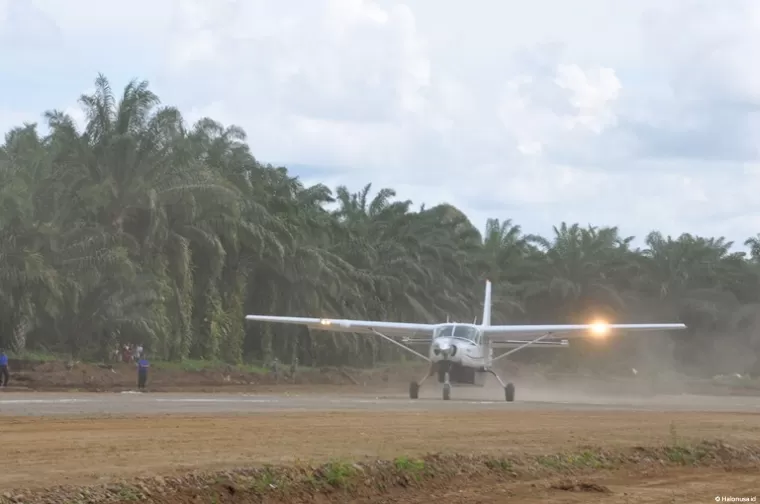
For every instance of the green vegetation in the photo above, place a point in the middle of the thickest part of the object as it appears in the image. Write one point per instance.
(585, 459)
(336, 474)
(409, 464)
(143, 229)
(377, 477)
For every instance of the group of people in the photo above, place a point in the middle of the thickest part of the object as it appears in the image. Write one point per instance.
(142, 369)
(127, 353)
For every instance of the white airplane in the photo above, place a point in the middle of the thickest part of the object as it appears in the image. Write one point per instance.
(463, 353)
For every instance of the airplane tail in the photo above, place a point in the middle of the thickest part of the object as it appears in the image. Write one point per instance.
(487, 305)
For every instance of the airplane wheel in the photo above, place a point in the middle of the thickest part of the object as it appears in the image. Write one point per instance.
(509, 392)
(414, 390)
(446, 391)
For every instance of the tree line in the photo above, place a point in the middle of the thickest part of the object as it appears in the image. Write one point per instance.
(142, 228)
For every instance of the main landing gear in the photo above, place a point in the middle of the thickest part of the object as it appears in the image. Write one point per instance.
(414, 387)
(414, 390)
(509, 388)
(509, 392)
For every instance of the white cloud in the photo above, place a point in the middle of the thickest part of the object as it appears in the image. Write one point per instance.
(540, 111)
(706, 48)
(642, 114)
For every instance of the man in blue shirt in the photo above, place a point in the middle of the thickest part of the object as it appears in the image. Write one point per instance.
(4, 368)
(142, 372)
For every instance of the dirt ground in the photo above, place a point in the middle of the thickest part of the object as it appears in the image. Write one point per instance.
(48, 451)
(673, 486)
(43, 452)
(57, 376)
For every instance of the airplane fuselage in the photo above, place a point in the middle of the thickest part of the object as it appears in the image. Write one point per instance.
(460, 351)
(457, 351)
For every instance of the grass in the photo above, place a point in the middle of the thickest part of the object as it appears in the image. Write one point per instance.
(267, 481)
(680, 452)
(586, 459)
(339, 474)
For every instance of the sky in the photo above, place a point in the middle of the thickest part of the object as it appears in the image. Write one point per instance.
(638, 113)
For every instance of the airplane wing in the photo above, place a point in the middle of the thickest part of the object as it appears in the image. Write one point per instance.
(389, 329)
(508, 344)
(497, 332)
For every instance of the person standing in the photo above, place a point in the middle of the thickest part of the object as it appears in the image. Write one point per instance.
(4, 375)
(142, 372)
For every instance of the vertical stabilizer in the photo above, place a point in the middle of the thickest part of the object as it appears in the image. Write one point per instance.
(487, 305)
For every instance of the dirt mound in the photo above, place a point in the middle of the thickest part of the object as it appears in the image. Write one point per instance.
(61, 375)
(343, 481)
(579, 486)
(57, 375)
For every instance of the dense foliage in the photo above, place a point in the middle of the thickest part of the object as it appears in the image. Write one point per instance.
(142, 229)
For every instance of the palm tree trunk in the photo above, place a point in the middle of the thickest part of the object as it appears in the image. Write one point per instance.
(20, 331)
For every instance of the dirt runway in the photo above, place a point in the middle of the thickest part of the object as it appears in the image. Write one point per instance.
(90, 449)
(381, 400)
(84, 439)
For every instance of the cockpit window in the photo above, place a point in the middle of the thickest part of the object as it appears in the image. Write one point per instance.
(447, 331)
(458, 331)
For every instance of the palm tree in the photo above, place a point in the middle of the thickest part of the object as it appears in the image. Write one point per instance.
(140, 227)
(575, 274)
(29, 284)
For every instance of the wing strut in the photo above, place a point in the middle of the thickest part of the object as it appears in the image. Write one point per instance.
(399, 344)
(526, 344)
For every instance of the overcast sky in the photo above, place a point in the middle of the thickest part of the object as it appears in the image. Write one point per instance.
(637, 113)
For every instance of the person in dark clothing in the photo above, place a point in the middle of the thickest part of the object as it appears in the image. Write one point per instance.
(4, 375)
(142, 372)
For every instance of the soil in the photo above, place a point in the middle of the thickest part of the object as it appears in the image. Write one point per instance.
(671, 486)
(43, 452)
(57, 376)
(113, 453)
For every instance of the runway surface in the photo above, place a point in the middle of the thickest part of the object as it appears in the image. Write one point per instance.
(43, 404)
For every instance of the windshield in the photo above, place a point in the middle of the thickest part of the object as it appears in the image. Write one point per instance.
(458, 331)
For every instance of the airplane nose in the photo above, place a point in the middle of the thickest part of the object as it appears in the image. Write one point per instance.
(445, 348)
(439, 348)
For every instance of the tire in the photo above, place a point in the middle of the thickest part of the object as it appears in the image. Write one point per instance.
(509, 392)
(446, 392)
(414, 390)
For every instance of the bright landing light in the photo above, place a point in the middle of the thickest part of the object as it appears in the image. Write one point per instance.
(599, 328)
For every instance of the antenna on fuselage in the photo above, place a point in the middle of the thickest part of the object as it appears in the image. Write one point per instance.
(447, 318)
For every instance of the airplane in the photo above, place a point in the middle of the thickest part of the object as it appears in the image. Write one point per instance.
(460, 353)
